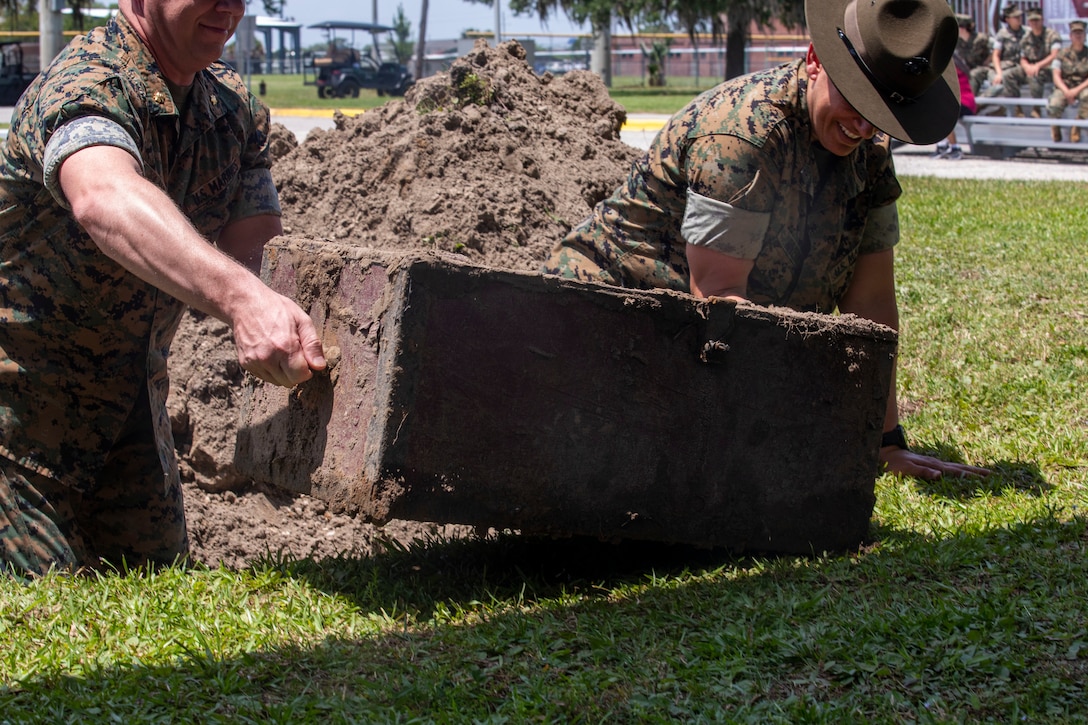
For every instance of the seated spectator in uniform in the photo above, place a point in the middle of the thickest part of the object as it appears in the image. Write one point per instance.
(975, 48)
(1038, 49)
(1070, 75)
(1008, 75)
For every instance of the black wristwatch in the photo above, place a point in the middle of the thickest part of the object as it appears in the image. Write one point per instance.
(895, 437)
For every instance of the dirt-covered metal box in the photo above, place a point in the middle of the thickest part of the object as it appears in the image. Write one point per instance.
(503, 399)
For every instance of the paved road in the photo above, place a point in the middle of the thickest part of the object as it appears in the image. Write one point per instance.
(916, 161)
(909, 160)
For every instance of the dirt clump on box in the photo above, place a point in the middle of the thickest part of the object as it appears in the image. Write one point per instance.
(487, 160)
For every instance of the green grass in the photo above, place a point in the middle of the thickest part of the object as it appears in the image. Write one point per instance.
(664, 101)
(970, 604)
(637, 98)
(289, 91)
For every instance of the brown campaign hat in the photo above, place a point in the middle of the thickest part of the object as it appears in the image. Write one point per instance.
(890, 60)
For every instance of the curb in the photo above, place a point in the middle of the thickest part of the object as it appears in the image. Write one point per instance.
(314, 112)
(631, 124)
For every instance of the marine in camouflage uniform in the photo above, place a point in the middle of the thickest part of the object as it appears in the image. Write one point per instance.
(778, 188)
(1070, 74)
(1035, 50)
(736, 171)
(1006, 56)
(87, 465)
(976, 51)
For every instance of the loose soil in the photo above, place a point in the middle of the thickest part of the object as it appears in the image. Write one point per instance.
(487, 160)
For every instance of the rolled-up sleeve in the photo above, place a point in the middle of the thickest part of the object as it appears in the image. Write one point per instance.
(881, 229)
(730, 196)
(723, 227)
(75, 135)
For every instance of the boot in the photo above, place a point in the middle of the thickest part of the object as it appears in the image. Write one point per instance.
(1074, 134)
(1056, 133)
(1035, 113)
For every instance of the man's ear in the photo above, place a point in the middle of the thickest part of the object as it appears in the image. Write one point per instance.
(812, 63)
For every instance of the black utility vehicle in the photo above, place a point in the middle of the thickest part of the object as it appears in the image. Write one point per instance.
(344, 71)
(14, 78)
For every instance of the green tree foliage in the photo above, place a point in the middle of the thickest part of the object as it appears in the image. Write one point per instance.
(648, 21)
(741, 14)
(729, 18)
(78, 6)
(11, 9)
(273, 7)
(402, 46)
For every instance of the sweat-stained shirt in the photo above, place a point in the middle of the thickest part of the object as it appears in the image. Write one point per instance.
(79, 335)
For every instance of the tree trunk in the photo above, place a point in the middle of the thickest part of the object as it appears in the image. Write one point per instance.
(602, 49)
(421, 46)
(736, 43)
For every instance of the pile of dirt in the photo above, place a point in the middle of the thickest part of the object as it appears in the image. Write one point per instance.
(487, 160)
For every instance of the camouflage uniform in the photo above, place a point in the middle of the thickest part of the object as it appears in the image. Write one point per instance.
(87, 457)
(1033, 48)
(1073, 65)
(976, 51)
(737, 171)
(1012, 73)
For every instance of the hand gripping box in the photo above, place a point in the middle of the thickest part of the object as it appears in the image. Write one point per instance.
(503, 399)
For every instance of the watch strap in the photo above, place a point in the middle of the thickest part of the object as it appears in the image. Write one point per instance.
(895, 437)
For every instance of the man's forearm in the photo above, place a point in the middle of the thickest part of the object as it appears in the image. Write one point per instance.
(137, 225)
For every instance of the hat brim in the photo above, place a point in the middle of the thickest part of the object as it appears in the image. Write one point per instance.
(928, 119)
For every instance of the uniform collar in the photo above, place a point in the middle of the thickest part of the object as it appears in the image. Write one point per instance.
(850, 172)
(205, 103)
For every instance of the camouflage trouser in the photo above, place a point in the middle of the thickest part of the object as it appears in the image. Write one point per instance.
(1057, 104)
(590, 258)
(570, 263)
(978, 76)
(131, 515)
(1012, 78)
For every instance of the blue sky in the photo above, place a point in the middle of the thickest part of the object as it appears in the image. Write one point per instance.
(445, 18)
